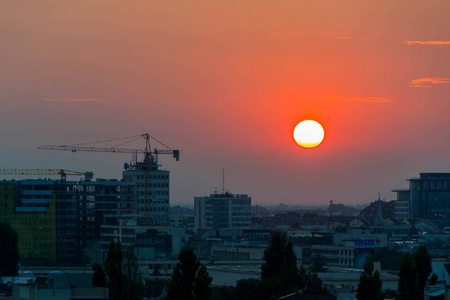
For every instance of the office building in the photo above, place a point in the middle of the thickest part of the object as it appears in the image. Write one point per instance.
(428, 197)
(55, 219)
(152, 191)
(402, 204)
(224, 210)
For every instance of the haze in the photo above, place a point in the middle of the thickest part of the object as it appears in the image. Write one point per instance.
(226, 82)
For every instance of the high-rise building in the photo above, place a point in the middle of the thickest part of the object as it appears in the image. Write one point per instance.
(152, 191)
(29, 206)
(428, 197)
(220, 211)
(55, 219)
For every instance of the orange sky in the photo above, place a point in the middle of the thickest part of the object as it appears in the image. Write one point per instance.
(226, 82)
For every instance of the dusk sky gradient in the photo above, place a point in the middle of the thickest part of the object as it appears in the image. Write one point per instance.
(225, 82)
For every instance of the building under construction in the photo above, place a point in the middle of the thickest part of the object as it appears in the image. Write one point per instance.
(152, 191)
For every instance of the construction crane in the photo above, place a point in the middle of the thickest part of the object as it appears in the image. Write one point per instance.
(147, 151)
(52, 172)
(148, 155)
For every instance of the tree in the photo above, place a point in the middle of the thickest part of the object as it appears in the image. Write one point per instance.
(250, 289)
(389, 258)
(155, 287)
(433, 279)
(280, 263)
(407, 278)
(422, 261)
(9, 249)
(113, 268)
(314, 285)
(133, 287)
(190, 280)
(99, 277)
(413, 274)
(369, 287)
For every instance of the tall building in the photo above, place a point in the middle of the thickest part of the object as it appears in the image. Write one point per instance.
(152, 190)
(55, 219)
(220, 211)
(29, 206)
(428, 197)
(103, 202)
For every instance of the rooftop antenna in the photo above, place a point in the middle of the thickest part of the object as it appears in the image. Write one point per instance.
(223, 181)
(331, 208)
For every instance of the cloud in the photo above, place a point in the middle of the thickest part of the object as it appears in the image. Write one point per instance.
(363, 99)
(427, 82)
(428, 42)
(70, 99)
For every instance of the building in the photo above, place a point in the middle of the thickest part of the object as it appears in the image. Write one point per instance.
(103, 202)
(29, 206)
(153, 244)
(402, 204)
(375, 213)
(219, 211)
(428, 197)
(55, 219)
(152, 190)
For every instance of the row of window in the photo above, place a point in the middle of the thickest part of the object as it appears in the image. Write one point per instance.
(154, 177)
(154, 185)
(154, 193)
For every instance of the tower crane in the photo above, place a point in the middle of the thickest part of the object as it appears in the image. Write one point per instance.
(148, 161)
(52, 172)
(147, 151)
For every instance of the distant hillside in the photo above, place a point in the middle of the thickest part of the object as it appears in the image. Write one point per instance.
(342, 210)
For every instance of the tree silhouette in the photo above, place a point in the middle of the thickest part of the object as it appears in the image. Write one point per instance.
(133, 287)
(113, 268)
(422, 261)
(99, 277)
(280, 262)
(190, 280)
(407, 278)
(9, 251)
(280, 275)
(369, 287)
(413, 274)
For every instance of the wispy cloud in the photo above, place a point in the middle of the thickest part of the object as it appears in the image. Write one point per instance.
(362, 99)
(428, 82)
(70, 99)
(428, 42)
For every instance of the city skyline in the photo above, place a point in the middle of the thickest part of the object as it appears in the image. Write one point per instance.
(226, 83)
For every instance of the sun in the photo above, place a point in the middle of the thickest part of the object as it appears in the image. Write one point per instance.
(309, 133)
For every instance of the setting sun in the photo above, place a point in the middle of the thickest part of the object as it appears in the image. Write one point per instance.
(308, 133)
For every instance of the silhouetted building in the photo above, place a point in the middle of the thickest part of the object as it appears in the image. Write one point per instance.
(429, 197)
(152, 191)
(220, 211)
(402, 204)
(55, 219)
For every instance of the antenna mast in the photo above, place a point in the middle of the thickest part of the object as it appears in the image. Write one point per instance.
(223, 181)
